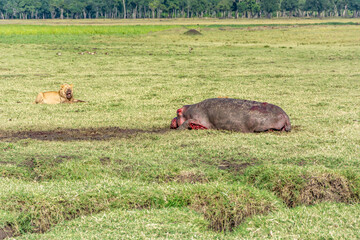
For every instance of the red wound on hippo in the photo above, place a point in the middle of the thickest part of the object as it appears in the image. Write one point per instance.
(259, 109)
(179, 111)
(197, 126)
(173, 124)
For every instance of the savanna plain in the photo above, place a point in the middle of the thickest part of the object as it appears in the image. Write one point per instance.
(111, 168)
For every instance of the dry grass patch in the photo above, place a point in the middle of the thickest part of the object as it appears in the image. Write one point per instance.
(325, 188)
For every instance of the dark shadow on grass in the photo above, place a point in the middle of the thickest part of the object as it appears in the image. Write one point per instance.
(82, 134)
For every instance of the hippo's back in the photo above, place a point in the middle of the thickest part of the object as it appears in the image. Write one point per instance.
(241, 115)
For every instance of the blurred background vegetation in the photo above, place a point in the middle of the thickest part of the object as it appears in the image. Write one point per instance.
(46, 9)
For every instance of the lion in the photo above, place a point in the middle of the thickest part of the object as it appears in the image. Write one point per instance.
(64, 95)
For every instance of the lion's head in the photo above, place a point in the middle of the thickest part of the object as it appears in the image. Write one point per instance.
(66, 91)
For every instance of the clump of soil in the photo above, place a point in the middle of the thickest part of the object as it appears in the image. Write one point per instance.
(192, 32)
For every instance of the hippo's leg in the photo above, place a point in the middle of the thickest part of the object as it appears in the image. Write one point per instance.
(193, 124)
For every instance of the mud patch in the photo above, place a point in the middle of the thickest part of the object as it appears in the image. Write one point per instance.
(83, 134)
(42, 161)
(192, 32)
(62, 158)
(6, 232)
(29, 163)
(105, 160)
(236, 168)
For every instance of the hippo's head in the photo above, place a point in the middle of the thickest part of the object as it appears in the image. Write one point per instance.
(180, 119)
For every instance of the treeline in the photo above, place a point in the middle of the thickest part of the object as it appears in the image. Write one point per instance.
(43, 9)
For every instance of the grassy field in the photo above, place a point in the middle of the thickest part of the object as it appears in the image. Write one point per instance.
(111, 168)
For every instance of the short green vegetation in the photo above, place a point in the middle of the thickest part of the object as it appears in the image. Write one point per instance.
(79, 30)
(111, 168)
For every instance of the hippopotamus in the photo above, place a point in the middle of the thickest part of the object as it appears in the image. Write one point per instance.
(232, 114)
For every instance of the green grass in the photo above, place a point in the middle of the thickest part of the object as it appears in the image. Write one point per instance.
(78, 30)
(323, 221)
(111, 168)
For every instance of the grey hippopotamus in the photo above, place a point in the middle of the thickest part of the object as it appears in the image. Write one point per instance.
(232, 114)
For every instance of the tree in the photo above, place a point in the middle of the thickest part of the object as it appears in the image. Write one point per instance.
(224, 6)
(76, 8)
(174, 7)
(338, 5)
(269, 6)
(153, 5)
(57, 5)
(199, 6)
(2, 9)
(317, 6)
(12, 7)
(290, 6)
(354, 5)
(124, 6)
(251, 7)
(242, 7)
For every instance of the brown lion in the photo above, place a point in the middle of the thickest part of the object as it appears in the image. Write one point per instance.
(64, 95)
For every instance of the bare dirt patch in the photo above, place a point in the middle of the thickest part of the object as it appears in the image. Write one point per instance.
(235, 167)
(85, 134)
(191, 177)
(6, 232)
(34, 161)
(183, 177)
(6, 163)
(105, 160)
